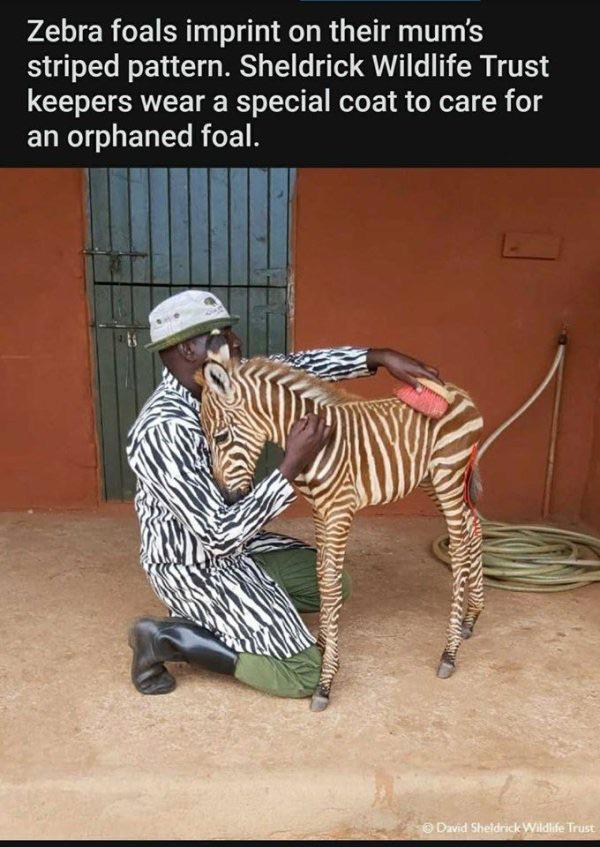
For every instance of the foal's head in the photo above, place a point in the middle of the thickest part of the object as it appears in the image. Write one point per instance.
(247, 403)
(235, 433)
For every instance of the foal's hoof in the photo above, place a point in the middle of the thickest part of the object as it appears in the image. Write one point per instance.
(320, 700)
(446, 667)
(466, 629)
(319, 703)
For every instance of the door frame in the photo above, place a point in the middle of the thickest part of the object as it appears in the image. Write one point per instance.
(93, 346)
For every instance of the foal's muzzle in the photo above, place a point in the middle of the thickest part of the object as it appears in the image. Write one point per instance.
(232, 497)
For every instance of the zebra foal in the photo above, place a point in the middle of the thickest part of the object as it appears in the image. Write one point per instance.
(379, 451)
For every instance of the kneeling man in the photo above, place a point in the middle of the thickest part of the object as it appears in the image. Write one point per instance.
(233, 590)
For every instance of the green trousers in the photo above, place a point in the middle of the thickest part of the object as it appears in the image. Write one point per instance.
(296, 572)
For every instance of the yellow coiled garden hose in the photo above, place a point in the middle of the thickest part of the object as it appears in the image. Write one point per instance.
(524, 557)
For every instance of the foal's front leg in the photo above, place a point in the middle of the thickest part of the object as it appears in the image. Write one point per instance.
(320, 540)
(332, 549)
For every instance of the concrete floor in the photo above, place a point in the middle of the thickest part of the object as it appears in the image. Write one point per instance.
(511, 738)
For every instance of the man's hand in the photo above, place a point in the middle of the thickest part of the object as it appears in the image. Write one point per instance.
(402, 367)
(305, 440)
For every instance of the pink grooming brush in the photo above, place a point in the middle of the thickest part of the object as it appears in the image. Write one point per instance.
(433, 401)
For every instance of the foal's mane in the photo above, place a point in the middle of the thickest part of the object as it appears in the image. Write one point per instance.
(298, 381)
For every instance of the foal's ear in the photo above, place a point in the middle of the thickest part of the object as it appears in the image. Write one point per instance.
(217, 349)
(216, 378)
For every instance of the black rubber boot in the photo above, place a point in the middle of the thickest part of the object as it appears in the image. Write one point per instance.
(155, 641)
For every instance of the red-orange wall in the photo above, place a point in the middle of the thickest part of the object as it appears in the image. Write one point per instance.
(49, 457)
(412, 259)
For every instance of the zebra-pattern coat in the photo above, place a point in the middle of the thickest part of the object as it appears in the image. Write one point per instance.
(197, 550)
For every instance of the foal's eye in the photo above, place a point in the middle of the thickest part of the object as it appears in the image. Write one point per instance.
(220, 437)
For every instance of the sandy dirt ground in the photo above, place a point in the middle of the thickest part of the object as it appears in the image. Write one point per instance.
(511, 740)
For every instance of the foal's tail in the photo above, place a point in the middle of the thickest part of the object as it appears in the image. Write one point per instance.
(473, 484)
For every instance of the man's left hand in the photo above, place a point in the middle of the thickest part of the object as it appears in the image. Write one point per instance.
(402, 367)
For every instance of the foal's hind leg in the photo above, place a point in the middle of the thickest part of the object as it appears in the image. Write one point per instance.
(475, 600)
(473, 531)
(450, 498)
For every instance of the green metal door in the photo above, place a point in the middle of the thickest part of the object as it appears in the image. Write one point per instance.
(155, 231)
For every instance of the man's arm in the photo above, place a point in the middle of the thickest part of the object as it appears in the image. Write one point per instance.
(331, 364)
(351, 362)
